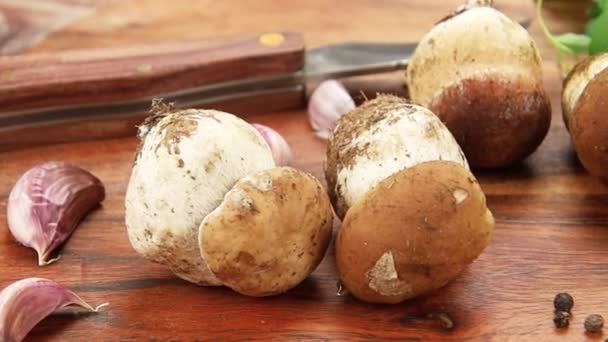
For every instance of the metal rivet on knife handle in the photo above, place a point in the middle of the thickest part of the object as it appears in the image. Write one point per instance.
(272, 39)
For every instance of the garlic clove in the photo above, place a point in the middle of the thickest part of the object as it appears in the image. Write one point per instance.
(327, 104)
(281, 152)
(25, 303)
(47, 203)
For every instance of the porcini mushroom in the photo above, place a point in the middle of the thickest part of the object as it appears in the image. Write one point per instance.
(585, 109)
(414, 215)
(190, 168)
(481, 73)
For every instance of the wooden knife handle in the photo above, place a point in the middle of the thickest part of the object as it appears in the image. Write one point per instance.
(87, 77)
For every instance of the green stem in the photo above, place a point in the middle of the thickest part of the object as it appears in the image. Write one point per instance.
(559, 46)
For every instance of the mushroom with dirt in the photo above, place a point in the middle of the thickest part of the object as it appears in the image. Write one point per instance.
(481, 73)
(414, 216)
(206, 200)
(585, 109)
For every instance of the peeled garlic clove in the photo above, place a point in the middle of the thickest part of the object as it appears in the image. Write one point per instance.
(326, 105)
(26, 302)
(47, 203)
(281, 152)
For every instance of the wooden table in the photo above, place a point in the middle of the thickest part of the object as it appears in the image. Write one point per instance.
(552, 218)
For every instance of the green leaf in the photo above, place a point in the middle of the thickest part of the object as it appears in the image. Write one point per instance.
(595, 10)
(597, 30)
(577, 43)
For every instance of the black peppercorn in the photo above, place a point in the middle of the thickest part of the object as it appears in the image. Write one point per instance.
(594, 323)
(563, 302)
(561, 319)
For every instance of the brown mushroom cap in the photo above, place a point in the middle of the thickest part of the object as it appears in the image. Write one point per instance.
(413, 233)
(589, 126)
(270, 232)
(497, 119)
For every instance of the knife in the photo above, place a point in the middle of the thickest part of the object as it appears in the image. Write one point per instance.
(104, 93)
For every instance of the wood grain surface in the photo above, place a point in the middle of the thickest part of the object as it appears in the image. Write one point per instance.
(26, 22)
(551, 232)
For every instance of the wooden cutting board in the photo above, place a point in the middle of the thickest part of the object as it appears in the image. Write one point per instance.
(552, 218)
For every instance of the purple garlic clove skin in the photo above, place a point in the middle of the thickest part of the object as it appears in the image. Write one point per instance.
(281, 152)
(328, 102)
(47, 203)
(25, 303)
